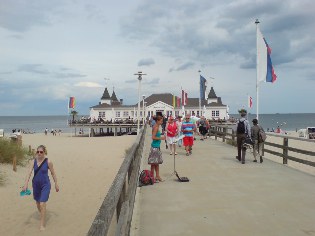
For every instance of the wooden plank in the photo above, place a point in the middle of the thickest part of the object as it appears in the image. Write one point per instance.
(121, 228)
(105, 214)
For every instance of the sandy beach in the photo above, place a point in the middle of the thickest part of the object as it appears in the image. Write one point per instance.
(308, 146)
(85, 169)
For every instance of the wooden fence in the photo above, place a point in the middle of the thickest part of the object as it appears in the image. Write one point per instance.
(226, 133)
(121, 195)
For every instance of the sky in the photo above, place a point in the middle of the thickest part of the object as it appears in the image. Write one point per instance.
(51, 50)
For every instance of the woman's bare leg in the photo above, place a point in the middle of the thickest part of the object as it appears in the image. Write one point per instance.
(38, 206)
(42, 215)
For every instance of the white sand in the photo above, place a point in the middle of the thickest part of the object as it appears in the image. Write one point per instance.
(85, 169)
(309, 146)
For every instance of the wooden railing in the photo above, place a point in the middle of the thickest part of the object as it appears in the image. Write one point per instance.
(121, 195)
(227, 133)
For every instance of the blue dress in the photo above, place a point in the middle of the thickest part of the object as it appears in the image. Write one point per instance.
(41, 183)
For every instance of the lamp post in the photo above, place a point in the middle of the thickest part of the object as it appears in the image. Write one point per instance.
(143, 115)
(139, 88)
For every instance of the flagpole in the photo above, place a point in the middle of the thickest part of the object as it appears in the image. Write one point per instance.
(199, 93)
(257, 82)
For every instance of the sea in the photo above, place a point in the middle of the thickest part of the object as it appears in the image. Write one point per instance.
(37, 124)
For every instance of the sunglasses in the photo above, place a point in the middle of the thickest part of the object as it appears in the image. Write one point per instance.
(41, 152)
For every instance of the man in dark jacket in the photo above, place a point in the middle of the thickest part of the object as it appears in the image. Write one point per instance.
(257, 142)
(243, 131)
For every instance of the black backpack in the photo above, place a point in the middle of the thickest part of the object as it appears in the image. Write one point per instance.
(241, 127)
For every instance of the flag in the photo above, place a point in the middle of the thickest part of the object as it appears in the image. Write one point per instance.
(250, 102)
(178, 101)
(184, 98)
(72, 102)
(265, 70)
(202, 88)
(174, 101)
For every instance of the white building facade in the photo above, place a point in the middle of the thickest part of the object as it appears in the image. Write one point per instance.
(110, 109)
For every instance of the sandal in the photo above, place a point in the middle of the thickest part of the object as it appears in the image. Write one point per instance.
(176, 153)
(171, 153)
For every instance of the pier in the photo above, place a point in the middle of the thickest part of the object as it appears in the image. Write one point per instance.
(223, 196)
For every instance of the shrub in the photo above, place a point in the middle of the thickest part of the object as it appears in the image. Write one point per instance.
(8, 149)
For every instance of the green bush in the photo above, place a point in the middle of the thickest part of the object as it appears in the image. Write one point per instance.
(8, 149)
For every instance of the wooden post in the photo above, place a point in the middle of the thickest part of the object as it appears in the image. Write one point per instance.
(14, 162)
(29, 149)
(224, 134)
(285, 150)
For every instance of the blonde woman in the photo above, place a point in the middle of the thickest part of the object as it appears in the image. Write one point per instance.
(41, 183)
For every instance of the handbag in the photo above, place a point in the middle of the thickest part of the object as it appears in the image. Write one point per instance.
(155, 156)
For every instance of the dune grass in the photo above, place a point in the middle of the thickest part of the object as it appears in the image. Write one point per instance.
(8, 149)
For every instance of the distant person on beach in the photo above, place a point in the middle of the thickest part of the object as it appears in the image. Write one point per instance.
(46, 131)
(155, 156)
(171, 130)
(243, 131)
(257, 142)
(41, 183)
(188, 129)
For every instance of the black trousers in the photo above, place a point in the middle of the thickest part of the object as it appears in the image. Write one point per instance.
(241, 151)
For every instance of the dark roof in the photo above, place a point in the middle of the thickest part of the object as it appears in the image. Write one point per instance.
(163, 97)
(106, 94)
(212, 93)
(114, 98)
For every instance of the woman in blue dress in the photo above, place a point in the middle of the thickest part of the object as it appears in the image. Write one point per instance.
(41, 182)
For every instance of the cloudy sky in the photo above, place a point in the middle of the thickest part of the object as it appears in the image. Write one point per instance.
(51, 50)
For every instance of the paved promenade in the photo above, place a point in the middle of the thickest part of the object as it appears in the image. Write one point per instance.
(224, 197)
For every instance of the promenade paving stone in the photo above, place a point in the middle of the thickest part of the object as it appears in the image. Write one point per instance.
(223, 196)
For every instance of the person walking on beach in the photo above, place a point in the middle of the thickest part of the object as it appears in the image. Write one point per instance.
(41, 183)
(171, 133)
(188, 129)
(155, 156)
(243, 131)
(257, 141)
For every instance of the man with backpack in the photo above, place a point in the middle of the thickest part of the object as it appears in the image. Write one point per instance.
(243, 131)
(256, 129)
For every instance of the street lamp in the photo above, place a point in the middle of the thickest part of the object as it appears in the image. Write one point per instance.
(139, 88)
(143, 115)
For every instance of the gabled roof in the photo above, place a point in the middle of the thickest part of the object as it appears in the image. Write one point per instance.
(114, 98)
(212, 93)
(106, 94)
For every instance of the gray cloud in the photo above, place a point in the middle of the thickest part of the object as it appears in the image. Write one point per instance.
(14, 17)
(131, 81)
(42, 70)
(187, 31)
(33, 68)
(151, 81)
(146, 62)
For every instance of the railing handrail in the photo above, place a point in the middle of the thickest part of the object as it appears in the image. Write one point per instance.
(221, 131)
(118, 196)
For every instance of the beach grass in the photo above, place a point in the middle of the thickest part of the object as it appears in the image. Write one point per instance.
(8, 149)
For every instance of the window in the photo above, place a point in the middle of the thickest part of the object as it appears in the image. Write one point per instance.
(101, 114)
(217, 113)
(132, 113)
(126, 114)
(117, 113)
(213, 113)
(197, 113)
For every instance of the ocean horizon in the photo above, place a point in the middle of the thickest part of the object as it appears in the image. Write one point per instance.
(37, 124)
